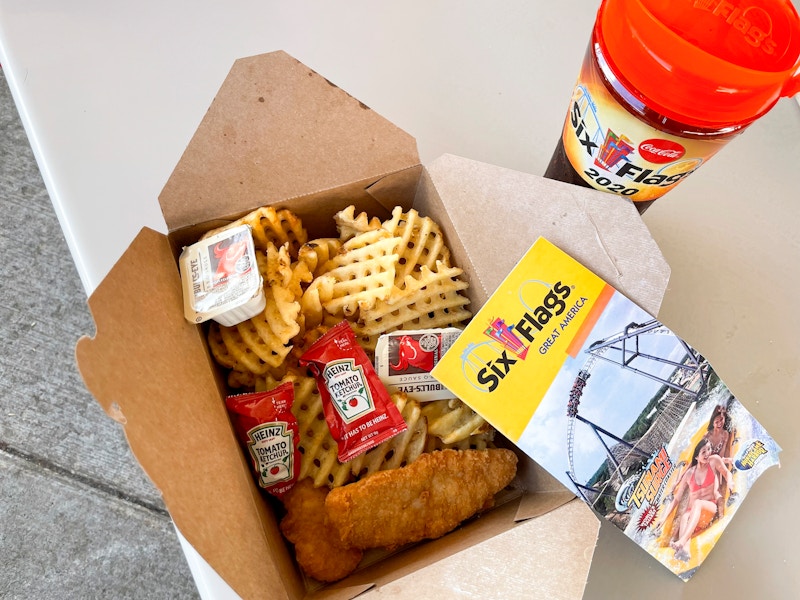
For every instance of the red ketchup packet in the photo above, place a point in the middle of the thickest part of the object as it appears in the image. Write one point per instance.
(358, 409)
(267, 430)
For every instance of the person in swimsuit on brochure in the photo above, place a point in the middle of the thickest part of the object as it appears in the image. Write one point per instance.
(701, 482)
(719, 434)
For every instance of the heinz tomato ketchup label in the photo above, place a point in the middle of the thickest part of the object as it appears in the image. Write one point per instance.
(268, 432)
(358, 409)
(614, 151)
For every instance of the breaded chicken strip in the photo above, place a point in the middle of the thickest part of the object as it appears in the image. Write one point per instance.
(425, 499)
(317, 547)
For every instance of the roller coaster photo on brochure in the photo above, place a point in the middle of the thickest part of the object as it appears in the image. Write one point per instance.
(613, 403)
(652, 439)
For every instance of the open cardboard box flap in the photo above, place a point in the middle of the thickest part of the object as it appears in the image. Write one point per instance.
(278, 133)
(147, 367)
(277, 130)
(498, 214)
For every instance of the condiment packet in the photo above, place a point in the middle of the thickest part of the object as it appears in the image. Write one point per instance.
(220, 278)
(358, 409)
(267, 430)
(404, 360)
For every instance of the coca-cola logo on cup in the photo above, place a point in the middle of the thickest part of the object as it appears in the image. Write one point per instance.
(661, 151)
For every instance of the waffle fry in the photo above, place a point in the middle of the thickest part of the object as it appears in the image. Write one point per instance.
(261, 339)
(453, 421)
(349, 225)
(474, 442)
(319, 448)
(361, 274)
(422, 246)
(230, 351)
(239, 375)
(376, 242)
(220, 351)
(316, 444)
(276, 267)
(264, 341)
(433, 300)
(316, 253)
(305, 340)
(401, 450)
(380, 276)
(241, 380)
(311, 303)
(283, 286)
(271, 226)
(242, 357)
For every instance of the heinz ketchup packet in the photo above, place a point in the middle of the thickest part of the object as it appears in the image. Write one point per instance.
(358, 409)
(268, 432)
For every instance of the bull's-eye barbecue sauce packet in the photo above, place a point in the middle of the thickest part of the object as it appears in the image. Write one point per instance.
(268, 432)
(358, 409)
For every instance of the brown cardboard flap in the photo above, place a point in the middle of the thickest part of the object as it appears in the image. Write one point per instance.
(316, 210)
(498, 214)
(396, 189)
(340, 593)
(540, 503)
(563, 541)
(392, 567)
(166, 396)
(546, 493)
(275, 131)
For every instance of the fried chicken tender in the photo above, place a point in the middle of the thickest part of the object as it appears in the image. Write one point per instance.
(423, 500)
(318, 549)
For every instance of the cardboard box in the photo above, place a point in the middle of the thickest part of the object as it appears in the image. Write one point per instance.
(279, 133)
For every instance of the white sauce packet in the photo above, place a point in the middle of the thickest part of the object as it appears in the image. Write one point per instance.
(404, 360)
(221, 279)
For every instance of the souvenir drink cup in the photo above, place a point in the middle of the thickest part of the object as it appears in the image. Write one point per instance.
(665, 84)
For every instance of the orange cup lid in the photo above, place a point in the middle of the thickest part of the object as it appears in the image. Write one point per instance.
(710, 63)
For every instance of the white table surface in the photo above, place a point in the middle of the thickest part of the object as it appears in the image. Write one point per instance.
(110, 93)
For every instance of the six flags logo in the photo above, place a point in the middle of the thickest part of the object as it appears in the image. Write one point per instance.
(486, 364)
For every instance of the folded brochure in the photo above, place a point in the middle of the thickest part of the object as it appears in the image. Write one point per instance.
(612, 403)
